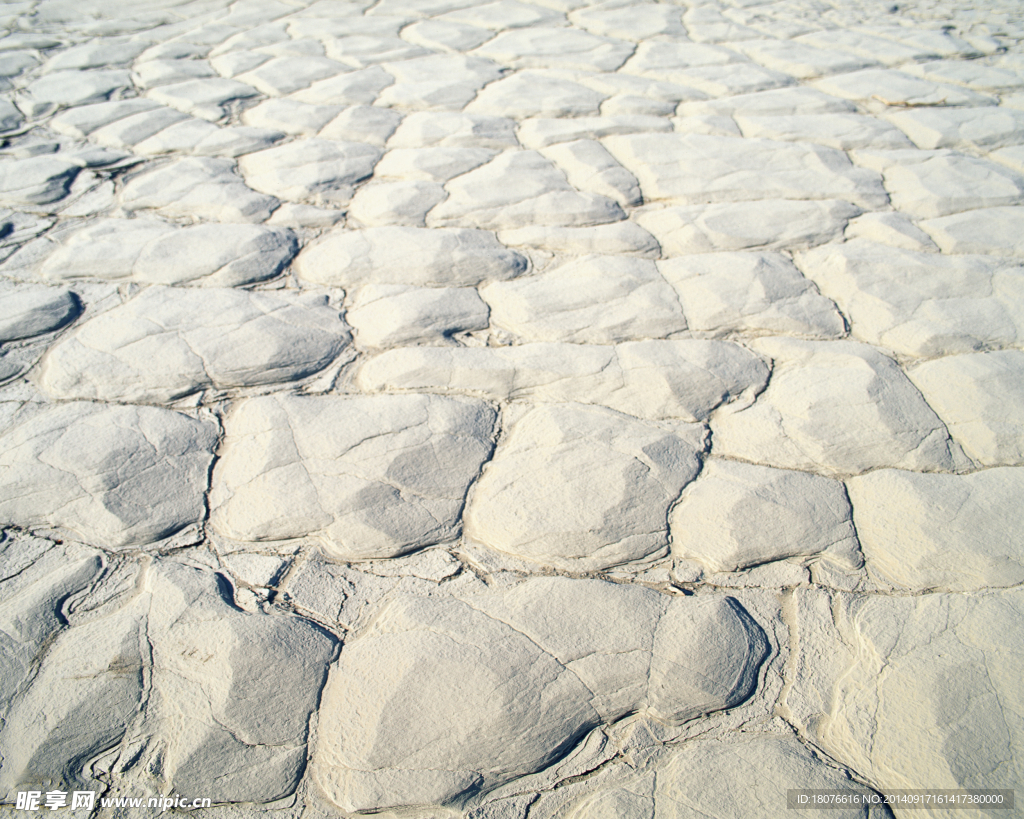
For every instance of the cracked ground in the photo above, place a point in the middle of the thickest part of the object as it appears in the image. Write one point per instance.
(510, 410)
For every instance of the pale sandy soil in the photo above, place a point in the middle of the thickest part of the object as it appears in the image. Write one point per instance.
(510, 409)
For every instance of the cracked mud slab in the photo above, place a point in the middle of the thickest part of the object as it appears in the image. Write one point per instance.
(491, 409)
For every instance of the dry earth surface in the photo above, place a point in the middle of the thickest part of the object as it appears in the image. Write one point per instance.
(445, 408)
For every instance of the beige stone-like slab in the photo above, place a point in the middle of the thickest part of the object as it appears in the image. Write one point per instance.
(674, 657)
(540, 132)
(799, 100)
(696, 169)
(625, 237)
(952, 183)
(911, 690)
(836, 130)
(95, 55)
(36, 180)
(167, 343)
(992, 231)
(362, 123)
(155, 252)
(623, 82)
(919, 304)
(29, 310)
(248, 683)
(65, 89)
(394, 203)
(986, 127)
(231, 63)
(768, 223)
(205, 139)
(590, 300)
(648, 379)
(206, 187)
(536, 94)
(38, 576)
(942, 42)
(115, 476)
(520, 188)
(359, 87)
(286, 74)
(589, 167)
(423, 129)
(390, 315)
(438, 82)
(706, 24)
(974, 75)
(738, 515)
(504, 14)
(726, 776)
(162, 72)
(949, 532)
(315, 171)
(835, 407)
(731, 78)
(363, 50)
(408, 255)
(801, 60)
(82, 120)
(668, 60)
(633, 104)
(981, 398)
(1012, 157)
(635, 21)
(892, 228)
(446, 35)
(862, 44)
(888, 87)
(556, 48)
(370, 476)
(762, 292)
(706, 124)
(130, 131)
(205, 98)
(291, 116)
(434, 164)
(582, 488)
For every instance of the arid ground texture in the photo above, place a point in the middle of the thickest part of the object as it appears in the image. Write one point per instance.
(510, 410)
